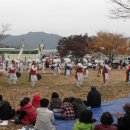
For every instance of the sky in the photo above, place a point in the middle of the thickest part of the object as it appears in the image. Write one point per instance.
(63, 17)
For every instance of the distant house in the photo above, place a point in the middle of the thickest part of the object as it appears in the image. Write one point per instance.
(13, 53)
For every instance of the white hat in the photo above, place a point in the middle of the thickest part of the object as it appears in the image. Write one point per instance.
(80, 65)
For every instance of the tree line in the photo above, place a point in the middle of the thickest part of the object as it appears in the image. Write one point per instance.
(109, 44)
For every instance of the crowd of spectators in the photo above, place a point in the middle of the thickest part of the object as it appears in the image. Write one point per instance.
(41, 112)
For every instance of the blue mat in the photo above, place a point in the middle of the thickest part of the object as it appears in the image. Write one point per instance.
(112, 107)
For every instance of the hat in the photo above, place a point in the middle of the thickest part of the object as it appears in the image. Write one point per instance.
(80, 65)
(126, 107)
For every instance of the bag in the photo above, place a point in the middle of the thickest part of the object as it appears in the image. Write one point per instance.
(18, 74)
(39, 76)
(52, 67)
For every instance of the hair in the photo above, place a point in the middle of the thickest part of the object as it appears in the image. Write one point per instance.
(66, 100)
(93, 88)
(55, 95)
(27, 99)
(72, 99)
(23, 102)
(1, 97)
(33, 62)
(44, 102)
(106, 118)
(86, 116)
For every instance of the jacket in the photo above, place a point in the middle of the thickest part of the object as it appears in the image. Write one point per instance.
(82, 126)
(78, 106)
(55, 103)
(94, 99)
(105, 127)
(30, 117)
(45, 119)
(6, 112)
(124, 122)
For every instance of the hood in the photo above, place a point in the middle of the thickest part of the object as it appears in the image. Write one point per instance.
(36, 101)
(2, 102)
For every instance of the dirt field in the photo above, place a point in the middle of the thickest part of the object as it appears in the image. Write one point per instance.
(115, 89)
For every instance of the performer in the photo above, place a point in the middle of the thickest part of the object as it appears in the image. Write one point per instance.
(128, 74)
(33, 74)
(56, 65)
(43, 65)
(105, 70)
(79, 75)
(12, 73)
(100, 68)
(68, 68)
(85, 73)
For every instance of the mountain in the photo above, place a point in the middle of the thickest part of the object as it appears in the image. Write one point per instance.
(32, 40)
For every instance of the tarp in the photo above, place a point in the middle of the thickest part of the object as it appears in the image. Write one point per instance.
(111, 106)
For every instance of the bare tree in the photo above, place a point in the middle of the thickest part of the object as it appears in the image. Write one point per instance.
(3, 29)
(122, 9)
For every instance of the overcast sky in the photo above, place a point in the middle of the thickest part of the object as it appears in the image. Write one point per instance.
(63, 17)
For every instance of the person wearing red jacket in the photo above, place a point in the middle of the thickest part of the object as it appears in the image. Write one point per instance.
(26, 114)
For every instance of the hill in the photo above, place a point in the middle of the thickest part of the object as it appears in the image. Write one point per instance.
(32, 40)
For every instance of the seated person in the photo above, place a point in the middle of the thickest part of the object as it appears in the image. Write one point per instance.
(6, 111)
(106, 122)
(67, 111)
(55, 104)
(78, 106)
(85, 121)
(124, 121)
(26, 114)
(45, 118)
(36, 100)
(93, 98)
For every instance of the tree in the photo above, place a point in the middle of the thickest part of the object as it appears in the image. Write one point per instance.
(76, 45)
(122, 8)
(3, 29)
(111, 44)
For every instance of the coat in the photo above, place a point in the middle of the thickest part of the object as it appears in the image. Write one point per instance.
(6, 112)
(124, 122)
(78, 106)
(30, 116)
(55, 103)
(105, 127)
(94, 99)
(82, 126)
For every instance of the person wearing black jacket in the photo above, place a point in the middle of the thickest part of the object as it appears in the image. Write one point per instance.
(6, 111)
(93, 98)
(124, 121)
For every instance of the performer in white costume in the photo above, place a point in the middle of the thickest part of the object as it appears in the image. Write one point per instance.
(33, 73)
(12, 73)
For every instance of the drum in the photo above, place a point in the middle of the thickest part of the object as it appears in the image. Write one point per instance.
(18, 74)
(39, 76)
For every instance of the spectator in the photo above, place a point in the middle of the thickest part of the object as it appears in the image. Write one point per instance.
(45, 118)
(124, 121)
(6, 111)
(26, 114)
(67, 110)
(85, 121)
(93, 98)
(36, 100)
(106, 122)
(55, 104)
(78, 106)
